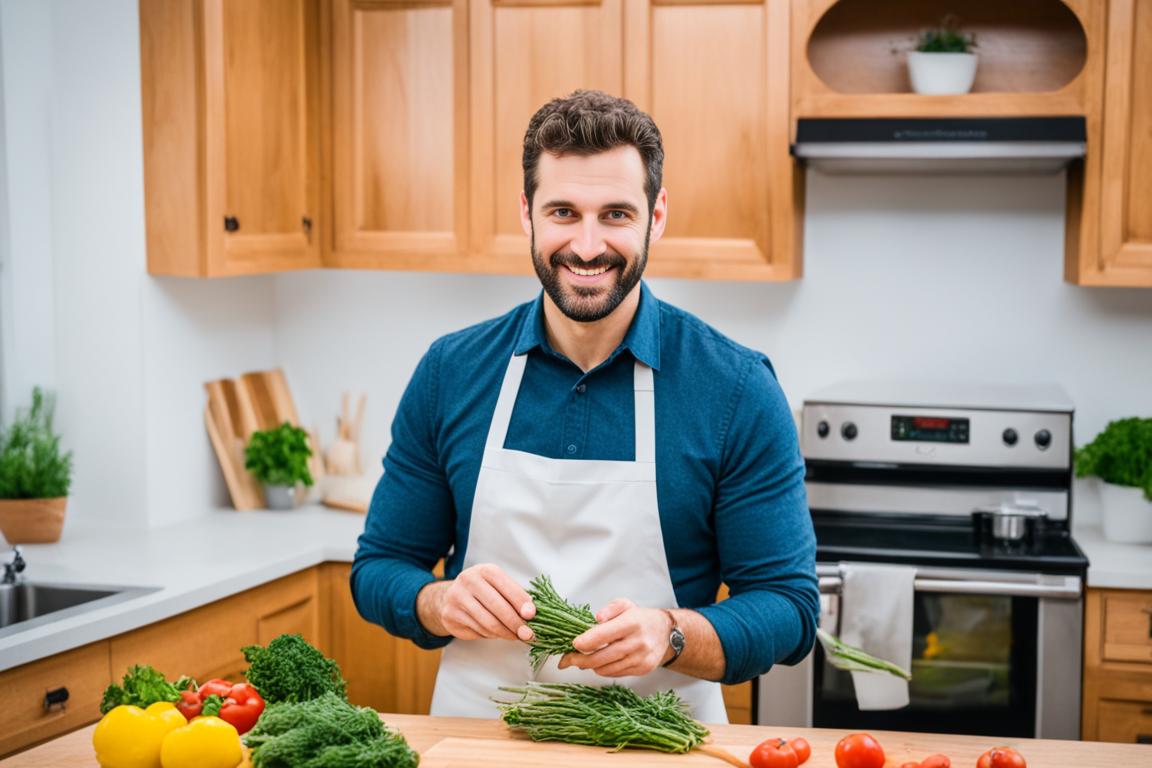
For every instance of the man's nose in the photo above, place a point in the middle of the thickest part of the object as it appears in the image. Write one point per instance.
(589, 241)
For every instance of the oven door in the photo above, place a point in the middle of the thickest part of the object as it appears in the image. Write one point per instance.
(993, 654)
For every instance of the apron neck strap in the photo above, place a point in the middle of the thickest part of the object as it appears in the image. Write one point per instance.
(643, 384)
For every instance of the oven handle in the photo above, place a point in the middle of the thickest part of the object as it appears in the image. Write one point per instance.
(1069, 588)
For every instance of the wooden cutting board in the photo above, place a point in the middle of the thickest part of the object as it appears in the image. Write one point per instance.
(508, 753)
(238, 407)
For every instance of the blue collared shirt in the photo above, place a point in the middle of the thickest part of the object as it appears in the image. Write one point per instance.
(729, 475)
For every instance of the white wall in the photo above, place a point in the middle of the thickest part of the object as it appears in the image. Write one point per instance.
(950, 277)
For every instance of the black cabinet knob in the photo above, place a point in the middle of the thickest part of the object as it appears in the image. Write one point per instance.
(231, 223)
(55, 698)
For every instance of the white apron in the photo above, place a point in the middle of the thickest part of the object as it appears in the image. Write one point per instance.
(593, 527)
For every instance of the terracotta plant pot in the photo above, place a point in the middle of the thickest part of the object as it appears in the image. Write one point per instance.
(32, 521)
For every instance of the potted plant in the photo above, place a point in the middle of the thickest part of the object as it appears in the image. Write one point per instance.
(1121, 456)
(35, 476)
(278, 458)
(943, 61)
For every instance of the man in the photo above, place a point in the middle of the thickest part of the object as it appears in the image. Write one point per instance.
(600, 436)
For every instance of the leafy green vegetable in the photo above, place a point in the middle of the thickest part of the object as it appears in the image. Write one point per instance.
(1121, 455)
(556, 624)
(142, 685)
(326, 732)
(612, 716)
(852, 659)
(290, 669)
(32, 466)
(279, 456)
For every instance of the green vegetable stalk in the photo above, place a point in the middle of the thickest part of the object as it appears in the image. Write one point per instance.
(852, 659)
(326, 732)
(612, 716)
(556, 624)
(142, 685)
(290, 669)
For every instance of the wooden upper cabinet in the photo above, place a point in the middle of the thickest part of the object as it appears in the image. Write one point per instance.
(398, 146)
(523, 54)
(1109, 240)
(231, 135)
(713, 75)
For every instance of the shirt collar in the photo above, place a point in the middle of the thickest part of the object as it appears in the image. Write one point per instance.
(642, 339)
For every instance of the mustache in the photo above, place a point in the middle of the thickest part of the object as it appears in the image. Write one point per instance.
(604, 260)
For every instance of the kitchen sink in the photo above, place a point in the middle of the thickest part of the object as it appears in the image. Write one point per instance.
(25, 604)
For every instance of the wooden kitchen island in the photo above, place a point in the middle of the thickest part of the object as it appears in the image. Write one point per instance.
(454, 741)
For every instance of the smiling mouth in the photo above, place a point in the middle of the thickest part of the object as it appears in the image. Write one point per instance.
(587, 272)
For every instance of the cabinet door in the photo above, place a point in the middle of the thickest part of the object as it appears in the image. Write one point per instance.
(399, 149)
(1126, 216)
(523, 54)
(261, 135)
(714, 76)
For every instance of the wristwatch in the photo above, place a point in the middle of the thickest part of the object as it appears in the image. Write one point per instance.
(675, 639)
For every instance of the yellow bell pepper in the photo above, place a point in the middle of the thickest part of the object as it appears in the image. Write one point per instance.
(130, 737)
(205, 742)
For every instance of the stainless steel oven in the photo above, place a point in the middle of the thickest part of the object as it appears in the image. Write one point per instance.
(971, 485)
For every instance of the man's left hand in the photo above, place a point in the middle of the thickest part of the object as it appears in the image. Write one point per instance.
(628, 641)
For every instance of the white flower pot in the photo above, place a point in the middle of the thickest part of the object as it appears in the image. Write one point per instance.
(939, 73)
(1125, 514)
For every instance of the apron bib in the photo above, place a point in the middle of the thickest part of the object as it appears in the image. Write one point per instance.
(592, 526)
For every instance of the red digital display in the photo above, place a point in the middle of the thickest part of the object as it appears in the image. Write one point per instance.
(925, 422)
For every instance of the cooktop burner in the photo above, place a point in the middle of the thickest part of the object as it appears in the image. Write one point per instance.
(941, 543)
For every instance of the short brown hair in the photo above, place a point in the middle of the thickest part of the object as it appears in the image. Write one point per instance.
(588, 122)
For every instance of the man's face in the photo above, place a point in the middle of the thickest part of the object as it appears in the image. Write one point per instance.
(590, 229)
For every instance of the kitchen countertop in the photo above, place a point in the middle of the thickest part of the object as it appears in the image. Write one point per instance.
(1113, 565)
(193, 563)
(199, 561)
(455, 741)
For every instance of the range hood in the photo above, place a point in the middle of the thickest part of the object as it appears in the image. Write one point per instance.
(954, 145)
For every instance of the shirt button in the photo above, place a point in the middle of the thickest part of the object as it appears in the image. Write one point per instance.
(581, 387)
(571, 449)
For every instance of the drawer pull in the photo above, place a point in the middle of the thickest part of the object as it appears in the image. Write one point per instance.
(1144, 738)
(55, 698)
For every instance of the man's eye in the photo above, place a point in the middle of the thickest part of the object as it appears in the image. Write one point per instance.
(617, 215)
(562, 212)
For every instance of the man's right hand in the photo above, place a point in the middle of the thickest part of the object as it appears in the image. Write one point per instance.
(482, 602)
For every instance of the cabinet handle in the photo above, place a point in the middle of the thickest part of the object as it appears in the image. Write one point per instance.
(231, 223)
(1149, 612)
(1144, 738)
(306, 222)
(55, 697)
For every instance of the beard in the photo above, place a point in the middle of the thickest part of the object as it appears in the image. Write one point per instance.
(586, 304)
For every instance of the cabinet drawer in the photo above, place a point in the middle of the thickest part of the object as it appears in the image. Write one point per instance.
(1128, 627)
(1125, 721)
(85, 674)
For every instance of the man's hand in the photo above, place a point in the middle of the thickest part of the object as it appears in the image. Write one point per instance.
(482, 602)
(629, 640)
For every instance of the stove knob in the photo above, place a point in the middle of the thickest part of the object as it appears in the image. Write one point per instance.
(1043, 439)
(848, 430)
(1010, 436)
(822, 429)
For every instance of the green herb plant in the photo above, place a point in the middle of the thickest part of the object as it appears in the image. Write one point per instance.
(613, 716)
(853, 659)
(946, 38)
(326, 732)
(1121, 454)
(142, 685)
(279, 456)
(290, 669)
(556, 624)
(32, 466)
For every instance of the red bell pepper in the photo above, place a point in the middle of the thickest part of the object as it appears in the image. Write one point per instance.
(237, 704)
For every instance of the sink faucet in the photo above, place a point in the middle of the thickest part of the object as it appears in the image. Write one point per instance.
(12, 569)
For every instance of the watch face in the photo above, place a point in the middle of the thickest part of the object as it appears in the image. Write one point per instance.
(676, 640)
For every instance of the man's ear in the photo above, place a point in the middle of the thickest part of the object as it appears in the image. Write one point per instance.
(659, 216)
(525, 215)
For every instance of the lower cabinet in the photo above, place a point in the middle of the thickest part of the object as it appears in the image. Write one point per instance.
(1118, 666)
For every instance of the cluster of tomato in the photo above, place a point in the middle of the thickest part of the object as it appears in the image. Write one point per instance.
(861, 750)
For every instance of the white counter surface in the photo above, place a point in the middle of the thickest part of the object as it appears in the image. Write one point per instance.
(1113, 565)
(193, 563)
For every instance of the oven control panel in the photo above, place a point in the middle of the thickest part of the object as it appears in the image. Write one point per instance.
(944, 436)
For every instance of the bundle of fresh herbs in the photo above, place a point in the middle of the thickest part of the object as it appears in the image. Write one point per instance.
(853, 659)
(556, 624)
(142, 685)
(612, 716)
(326, 732)
(290, 669)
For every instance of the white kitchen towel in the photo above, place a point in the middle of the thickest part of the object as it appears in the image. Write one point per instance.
(876, 616)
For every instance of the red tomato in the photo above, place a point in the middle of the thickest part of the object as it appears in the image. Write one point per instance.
(859, 750)
(1001, 757)
(802, 749)
(936, 761)
(773, 753)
